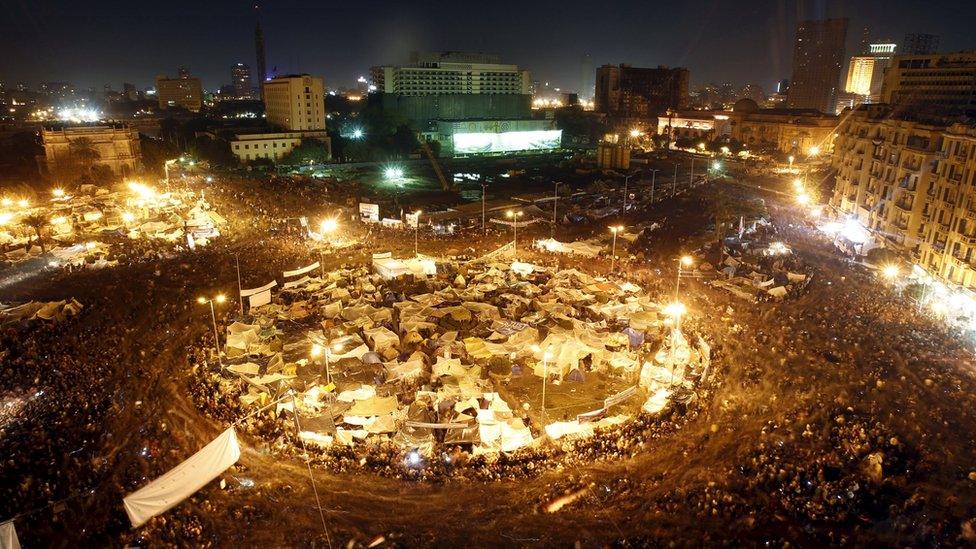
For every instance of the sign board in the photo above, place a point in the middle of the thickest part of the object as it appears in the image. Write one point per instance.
(369, 212)
(413, 219)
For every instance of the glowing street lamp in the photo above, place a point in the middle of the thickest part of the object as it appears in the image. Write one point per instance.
(613, 248)
(328, 226)
(6, 202)
(128, 217)
(791, 159)
(675, 310)
(326, 352)
(814, 150)
(701, 146)
(23, 203)
(5, 217)
(219, 298)
(514, 216)
(798, 184)
(393, 173)
(58, 193)
(890, 271)
(635, 132)
(683, 261)
(803, 199)
(357, 133)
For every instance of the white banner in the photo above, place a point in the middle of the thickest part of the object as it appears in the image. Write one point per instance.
(296, 283)
(8, 536)
(391, 222)
(303, 270)
(184, 480)
(251, 291)
(413, 219)
(369, 211)
(262, 298)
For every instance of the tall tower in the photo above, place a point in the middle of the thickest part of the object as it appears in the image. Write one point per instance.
(259, 50)
(818, 55)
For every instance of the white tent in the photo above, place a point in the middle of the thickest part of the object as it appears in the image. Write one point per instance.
(184, 480)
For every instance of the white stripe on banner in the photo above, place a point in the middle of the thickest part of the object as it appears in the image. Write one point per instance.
(296, 283)
(184, 480)
(262, 298)
(251, 291)
(8, 536)
(303, 270)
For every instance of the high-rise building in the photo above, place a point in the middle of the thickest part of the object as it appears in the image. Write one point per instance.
(818, 57)
(944, 83)
(441, 73)
(586, 77)
(920, 44)
(241, 78)
(631, 92)
(451, 86)
(183, 92)
(865, 74)
(295, 102)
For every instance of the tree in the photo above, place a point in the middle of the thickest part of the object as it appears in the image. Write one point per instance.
(309, 151)
(720, 211)
(36, 222)
(83, 151)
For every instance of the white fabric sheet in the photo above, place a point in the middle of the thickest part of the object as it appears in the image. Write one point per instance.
(303, 270)
(184, 480)
(8, 536)
(262, 298)
(251, 291)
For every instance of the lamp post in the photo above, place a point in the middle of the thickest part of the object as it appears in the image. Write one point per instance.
(653, 178)
(626, 180)
(514, 216)
(613, 248)
(416, 233)
(555, 200)
(484, 190)
(219, 298)
(674, 182)
(685, 260)
(546, 356)
(691, 176)
(326, 352)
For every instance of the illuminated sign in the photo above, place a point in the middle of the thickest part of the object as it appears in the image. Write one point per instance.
(485, 142)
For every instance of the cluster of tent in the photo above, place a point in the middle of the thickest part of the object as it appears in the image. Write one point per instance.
(50, 311)
(74, 219)
(431, 355)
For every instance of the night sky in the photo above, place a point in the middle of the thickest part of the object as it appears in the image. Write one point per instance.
(110, 41)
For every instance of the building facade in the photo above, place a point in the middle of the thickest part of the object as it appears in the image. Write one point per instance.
(941, 82)
(116, 147)
(920, 44)
(184, 91)
(623, 91)
(273, 146)
(818, 57)
(295, 102)
(912, 183)
(241, 78)
(447, 73)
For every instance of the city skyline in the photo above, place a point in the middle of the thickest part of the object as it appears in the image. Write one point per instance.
(342, 44)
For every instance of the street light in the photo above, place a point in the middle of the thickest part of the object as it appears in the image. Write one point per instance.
(416, 233)
(393, 173)
(546, 356)
(219, 298)
(58, 193)
(686, 261)
(635, 132)
(555, 200)
(613, 249)
(326, 351)
(890, 271)
(23, 203)
(127, 217)
(514, 217)
(803, 199)
(792, 158)
(798, 184)
(814, 150)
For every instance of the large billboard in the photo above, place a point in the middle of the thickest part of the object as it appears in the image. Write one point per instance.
(496, 142)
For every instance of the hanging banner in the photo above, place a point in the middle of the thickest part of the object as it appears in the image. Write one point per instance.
(296, 283)
(8, 536)
(251, 291)
(369, 212)
(413, 219)
(391, 222)
(303, 270)
(262, 298)
(184, 480)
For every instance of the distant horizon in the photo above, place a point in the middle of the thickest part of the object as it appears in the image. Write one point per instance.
(340, 43)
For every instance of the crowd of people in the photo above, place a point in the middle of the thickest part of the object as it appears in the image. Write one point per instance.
(838, 417)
